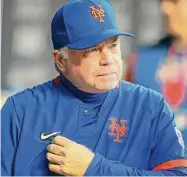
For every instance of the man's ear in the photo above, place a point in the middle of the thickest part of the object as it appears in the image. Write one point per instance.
(59, 61)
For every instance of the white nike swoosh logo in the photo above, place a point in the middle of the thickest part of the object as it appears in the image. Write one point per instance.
(45, 137)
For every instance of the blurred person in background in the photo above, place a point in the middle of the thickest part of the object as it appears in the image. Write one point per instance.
(163, 67)
(88, 121)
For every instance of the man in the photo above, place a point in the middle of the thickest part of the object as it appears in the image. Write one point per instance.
(87, 121)
(163, 67)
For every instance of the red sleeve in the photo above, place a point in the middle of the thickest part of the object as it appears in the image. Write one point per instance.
(130, 67)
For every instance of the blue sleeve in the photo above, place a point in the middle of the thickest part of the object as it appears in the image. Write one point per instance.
(100, 166)
(169, 150)
(168, 158)
(9, 136)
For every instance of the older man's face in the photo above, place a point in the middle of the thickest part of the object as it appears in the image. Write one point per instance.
(96, 69)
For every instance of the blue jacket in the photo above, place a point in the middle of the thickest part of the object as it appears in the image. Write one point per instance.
(132, 132)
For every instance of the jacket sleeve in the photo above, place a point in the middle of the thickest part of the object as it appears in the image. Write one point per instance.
(9, 136)
(168, 157)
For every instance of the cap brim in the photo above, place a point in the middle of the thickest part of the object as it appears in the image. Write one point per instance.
(92, 40)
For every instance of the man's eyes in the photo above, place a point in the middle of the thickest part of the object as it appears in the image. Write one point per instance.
(92, 50)
(113, 45)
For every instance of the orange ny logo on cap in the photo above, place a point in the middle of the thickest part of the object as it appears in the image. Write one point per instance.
(98, 13)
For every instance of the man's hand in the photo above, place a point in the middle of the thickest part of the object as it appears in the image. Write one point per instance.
(67, 157)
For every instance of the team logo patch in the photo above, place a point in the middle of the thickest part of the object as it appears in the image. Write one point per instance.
(116, 130)
(180, 139)
(181, 118)
(97, 13)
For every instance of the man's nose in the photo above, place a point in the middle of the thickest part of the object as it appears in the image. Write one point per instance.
(106, 57)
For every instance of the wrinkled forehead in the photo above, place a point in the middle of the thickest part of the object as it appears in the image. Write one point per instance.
(108, 41)
(173, 1)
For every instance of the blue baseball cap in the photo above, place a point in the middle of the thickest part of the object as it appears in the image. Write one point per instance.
(81, 24)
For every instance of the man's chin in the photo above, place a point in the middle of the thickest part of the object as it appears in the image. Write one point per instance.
(106, 86)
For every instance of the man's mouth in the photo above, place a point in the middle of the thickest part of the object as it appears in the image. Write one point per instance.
(106, 74)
